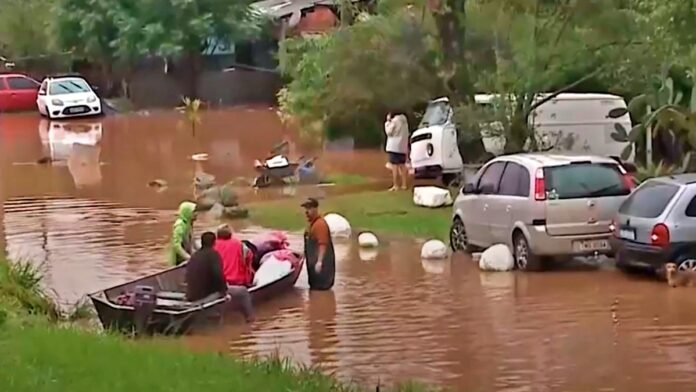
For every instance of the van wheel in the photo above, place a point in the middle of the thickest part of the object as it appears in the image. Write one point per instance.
(459, 242)
(525, 259)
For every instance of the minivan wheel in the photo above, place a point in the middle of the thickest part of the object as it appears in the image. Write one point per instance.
(525, 260)
(688, 264)
(459, 242)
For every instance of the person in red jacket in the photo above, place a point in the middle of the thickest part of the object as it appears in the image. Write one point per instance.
(236, 269)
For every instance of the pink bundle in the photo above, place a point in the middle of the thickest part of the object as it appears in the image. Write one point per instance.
(275, 240)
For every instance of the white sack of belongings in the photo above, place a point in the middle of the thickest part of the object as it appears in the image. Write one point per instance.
(271, 270)
(434, 250)
(431, 196)
(277, 161)
(338, 225)
(368, 240)
(497, 258)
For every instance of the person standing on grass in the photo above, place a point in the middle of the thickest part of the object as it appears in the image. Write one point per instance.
(396, 129)
(318, 248)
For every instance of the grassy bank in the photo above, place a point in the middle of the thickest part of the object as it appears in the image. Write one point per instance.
(52, 359)
(380, 212)
(45, 352)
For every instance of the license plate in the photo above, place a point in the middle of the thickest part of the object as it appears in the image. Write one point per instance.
(590, 245)
(76, 110)
(627, 234)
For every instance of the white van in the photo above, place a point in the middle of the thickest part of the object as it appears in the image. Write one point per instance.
(434, 147)
(570, 122)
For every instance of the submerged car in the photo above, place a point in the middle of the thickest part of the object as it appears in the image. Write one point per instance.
(657, 225)
(17, 92)
(543, 206)
(66, 97)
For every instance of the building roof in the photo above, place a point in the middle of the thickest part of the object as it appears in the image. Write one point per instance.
(284, 8)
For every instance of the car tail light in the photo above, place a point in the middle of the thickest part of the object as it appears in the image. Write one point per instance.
(660, 235)
(539, 185)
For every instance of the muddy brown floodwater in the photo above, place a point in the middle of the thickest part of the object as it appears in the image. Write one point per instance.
(92, 221)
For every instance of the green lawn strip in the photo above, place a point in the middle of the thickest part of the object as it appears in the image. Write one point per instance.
(380, 212)
(47, 359)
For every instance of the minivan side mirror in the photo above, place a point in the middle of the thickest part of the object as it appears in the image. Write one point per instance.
(469, 189)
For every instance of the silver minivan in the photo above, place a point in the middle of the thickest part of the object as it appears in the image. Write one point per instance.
(657, 225)
(542, 206)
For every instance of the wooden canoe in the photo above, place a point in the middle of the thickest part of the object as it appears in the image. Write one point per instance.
(172, 314)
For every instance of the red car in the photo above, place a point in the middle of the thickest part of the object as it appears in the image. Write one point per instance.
(17, 92)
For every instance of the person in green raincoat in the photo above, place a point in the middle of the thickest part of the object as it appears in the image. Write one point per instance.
(182, 245)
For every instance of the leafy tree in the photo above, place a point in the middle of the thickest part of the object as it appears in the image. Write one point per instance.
(546, 47)
(348, 80)
(23, 28)
(182, 29)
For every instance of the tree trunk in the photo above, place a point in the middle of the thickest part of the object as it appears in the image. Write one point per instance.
(450, 16)
(194, 65)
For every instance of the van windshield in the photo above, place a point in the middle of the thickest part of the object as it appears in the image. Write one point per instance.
(582, 180)
(437, 113)
(649, 200)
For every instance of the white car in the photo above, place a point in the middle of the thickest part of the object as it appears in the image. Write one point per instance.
(66, 97)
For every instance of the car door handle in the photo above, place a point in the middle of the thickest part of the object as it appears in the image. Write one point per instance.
(485, 207)
(508, 208)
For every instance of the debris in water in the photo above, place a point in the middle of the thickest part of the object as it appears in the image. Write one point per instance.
(199, 157)
(158, 183)
(44, 160)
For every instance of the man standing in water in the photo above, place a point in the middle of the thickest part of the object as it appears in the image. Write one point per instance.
(182, 245)
(318, 248)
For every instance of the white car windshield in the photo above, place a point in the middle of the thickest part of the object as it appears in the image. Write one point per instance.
(68, 86)
(437, 113)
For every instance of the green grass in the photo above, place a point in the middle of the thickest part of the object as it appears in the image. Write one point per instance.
(53, 359)
(21, 293)
(346, 179)
(380, 212)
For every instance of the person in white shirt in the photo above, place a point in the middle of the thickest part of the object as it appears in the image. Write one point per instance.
(396, 129)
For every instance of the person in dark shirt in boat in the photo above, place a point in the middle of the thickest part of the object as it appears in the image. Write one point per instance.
(204, 278)
(318, 247)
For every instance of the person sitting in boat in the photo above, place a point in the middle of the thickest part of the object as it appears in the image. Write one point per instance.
(236, 264)
(182, 244)
(204, 278)
(236, 269)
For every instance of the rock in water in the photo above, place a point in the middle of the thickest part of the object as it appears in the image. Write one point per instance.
(158, 183)
(434, 249)
(431, 196)
(228, 197)
(235, 212)
(497, 258)
(217, 210)
(338, 225)
(204, 181)
(368, 240)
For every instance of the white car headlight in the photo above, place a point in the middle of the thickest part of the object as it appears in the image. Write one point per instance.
(92, 99)
(57, 102)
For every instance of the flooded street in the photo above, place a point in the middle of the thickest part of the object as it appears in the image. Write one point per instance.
(91, 219)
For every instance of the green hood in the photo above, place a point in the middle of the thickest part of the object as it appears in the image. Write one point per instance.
(186, 210)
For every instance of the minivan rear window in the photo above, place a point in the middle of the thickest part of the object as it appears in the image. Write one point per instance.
(649, 200)
(581, 180)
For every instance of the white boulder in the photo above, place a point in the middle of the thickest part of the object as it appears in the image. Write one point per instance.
(497, 258)
(338, 225)
(431, 196)
(368, 240)
(433, 250)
